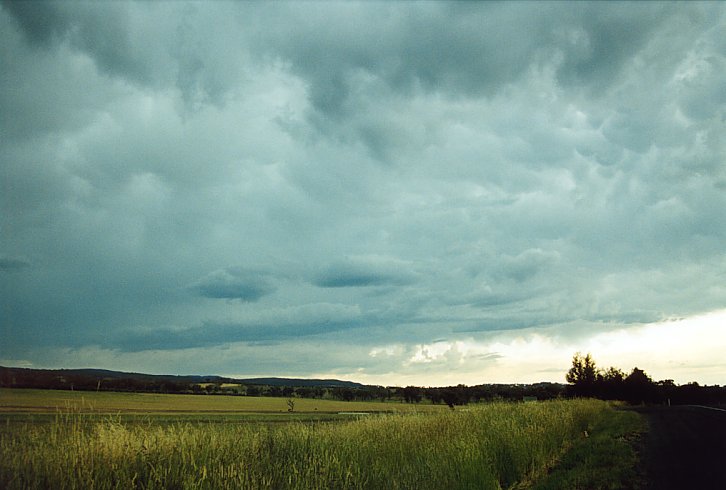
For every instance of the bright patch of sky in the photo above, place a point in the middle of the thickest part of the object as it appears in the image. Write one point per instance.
(429, 193)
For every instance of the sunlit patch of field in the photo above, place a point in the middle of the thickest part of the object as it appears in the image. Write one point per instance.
(230, 385)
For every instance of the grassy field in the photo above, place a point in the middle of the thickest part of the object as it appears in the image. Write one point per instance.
(50, 401)
(500, 445)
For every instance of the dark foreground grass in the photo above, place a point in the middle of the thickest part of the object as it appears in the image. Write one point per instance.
(485, 447)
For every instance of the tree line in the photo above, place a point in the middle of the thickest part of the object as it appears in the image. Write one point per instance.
(451, 395)
(585, 379)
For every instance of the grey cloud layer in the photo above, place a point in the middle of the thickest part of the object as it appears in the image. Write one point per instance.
(177, 175)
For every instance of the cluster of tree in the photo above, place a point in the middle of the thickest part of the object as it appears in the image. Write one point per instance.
(344, 393)
(462, 394)
(587, 380)
(451, 395)
(59, 380)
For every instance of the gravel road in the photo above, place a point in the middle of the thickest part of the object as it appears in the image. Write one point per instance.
(685, 448)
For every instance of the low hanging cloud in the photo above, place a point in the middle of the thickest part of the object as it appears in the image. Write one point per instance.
(272, 325)
(365, 272)
(527, 264)
(234, 283)
(13, 264)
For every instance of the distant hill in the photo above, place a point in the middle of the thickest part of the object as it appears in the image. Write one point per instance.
(302, 383)
(27, 377)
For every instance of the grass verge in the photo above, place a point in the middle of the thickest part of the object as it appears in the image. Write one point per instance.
(607, 458)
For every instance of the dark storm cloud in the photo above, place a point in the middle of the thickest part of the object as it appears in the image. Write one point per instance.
(42, 22)
(364, 273)
(103, 31)
(234, 283)
(597, 42)
(151, 45)
(13, 264)
(525, 265)
(457, 49)
(387, 173)
(352, 54)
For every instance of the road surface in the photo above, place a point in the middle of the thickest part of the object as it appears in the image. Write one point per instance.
(684, 448)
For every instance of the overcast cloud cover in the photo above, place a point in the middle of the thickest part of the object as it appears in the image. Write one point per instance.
(385, 192)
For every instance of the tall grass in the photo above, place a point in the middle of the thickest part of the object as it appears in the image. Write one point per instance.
(491, 446)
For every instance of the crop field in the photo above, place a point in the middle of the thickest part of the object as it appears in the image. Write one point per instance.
(51, 401)
(499, 445)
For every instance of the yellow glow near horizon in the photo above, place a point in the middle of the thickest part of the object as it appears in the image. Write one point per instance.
(690, 349)
(684, 350)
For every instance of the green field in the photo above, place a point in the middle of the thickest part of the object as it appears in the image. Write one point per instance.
(50, 401)
(491, 446)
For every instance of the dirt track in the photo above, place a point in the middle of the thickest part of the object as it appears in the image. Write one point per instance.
(685, 448)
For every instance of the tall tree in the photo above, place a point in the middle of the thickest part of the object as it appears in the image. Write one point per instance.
(582, 375)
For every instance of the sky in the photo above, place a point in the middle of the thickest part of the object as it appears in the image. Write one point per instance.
(392, 193)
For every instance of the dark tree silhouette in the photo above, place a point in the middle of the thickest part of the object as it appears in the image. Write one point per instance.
(582, 375)
(639, 387)
(609, 384)
(412, 394)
